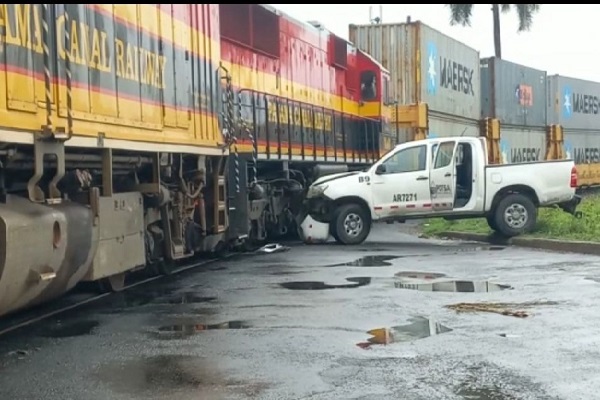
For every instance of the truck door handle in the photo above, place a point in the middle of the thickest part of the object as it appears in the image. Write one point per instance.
(448, 175)
(422, 178)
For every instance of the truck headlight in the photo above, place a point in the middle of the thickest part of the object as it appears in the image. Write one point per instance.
(315, 191)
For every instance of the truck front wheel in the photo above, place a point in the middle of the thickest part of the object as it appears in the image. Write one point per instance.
(351, 224)
(515, 214)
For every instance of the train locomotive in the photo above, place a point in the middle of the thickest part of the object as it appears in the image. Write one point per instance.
(136, 136)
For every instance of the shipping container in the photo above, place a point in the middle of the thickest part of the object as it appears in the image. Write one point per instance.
(583, 147)
(521, 144)
(513, 93)
(425, 66)
(443, 126)
(573, 103)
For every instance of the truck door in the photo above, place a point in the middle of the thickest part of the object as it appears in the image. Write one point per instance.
(442, 177)
(400, 183)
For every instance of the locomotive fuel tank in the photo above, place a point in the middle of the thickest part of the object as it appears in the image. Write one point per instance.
(45, 250)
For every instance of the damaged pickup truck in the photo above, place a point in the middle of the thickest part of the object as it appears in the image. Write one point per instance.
(443, 177)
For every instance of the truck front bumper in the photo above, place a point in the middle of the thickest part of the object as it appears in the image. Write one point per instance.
(312, 231)
(571, 206)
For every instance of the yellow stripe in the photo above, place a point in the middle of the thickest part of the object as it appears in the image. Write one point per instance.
(157, 22)
(243, 77)
(95, 112)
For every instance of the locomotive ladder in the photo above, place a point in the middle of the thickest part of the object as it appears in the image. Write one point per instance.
(51, 141)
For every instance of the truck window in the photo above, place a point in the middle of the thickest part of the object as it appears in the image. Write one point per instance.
(407, 160)
(445, 153)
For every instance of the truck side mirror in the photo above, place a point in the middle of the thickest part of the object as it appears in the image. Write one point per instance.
(380, 169)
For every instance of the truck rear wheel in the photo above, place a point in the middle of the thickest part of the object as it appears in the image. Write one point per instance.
(515, 214)
(352, 224)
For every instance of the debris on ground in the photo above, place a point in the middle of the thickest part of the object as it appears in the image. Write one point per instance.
(273, 248)
(509, 309)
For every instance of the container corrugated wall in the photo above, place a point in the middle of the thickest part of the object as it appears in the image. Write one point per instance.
(522, 144)
(574, 103)
(425, 65)
(513, 93)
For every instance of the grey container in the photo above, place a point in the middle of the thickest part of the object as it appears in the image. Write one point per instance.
(425, 66)
(513, 93)
(573, 103)
(444, 126)
(522, 144)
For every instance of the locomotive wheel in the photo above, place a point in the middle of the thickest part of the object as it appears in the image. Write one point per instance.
(166, 266)
(113, 283)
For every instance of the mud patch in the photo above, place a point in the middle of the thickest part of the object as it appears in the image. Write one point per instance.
(417, 328)
(419, 275)
(175, 375)
(510, 309)
(70, 329)
(316, 285)
(450, 286)
(368, 261)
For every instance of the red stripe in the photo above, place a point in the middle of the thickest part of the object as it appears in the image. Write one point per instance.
(410, 206)
(394, 207)
(426, 205)
(378, 208)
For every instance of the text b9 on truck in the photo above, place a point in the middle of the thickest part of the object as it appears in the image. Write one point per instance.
(443, 177)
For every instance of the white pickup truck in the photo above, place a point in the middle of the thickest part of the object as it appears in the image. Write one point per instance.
(442, 177)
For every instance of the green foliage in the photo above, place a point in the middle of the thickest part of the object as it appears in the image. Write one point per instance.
(460, 14)
(552, 223)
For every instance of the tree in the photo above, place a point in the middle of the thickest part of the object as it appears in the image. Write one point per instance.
(461, 14)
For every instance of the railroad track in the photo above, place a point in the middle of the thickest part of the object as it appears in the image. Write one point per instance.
(71, 301)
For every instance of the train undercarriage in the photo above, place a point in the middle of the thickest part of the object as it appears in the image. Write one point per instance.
(95, 215)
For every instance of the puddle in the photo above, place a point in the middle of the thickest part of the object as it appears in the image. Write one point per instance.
(417, 328)
(185, 298)
(283, 273)
(70, 329)
(450, 286)
(316, 285)
(368, 261)
(175, 376)
(489, 393)
(419, 275)
(189, 329)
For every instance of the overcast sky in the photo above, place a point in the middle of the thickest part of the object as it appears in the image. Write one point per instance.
(561, 41)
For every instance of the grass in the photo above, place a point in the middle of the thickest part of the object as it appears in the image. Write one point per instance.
(551, 224)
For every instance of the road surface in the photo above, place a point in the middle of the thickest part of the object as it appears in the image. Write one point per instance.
(295, 325)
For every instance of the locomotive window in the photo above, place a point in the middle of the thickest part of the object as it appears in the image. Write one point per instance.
(368, 86)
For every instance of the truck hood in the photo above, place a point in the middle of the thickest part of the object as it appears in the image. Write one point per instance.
(333, 177)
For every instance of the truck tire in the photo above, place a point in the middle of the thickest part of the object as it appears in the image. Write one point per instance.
(351, 224)
(515, 214)
(491, 220)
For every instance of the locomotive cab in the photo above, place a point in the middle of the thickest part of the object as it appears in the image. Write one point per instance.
(375, 105)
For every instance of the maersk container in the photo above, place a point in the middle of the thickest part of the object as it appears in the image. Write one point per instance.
(522, 144)
(425, 65)
(573, 103)
(444, 126)
(513, 93)
(583, 147)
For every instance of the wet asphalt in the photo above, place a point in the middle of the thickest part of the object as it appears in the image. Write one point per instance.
(294, 325)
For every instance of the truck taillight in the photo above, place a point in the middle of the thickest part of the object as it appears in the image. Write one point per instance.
(574, 177)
